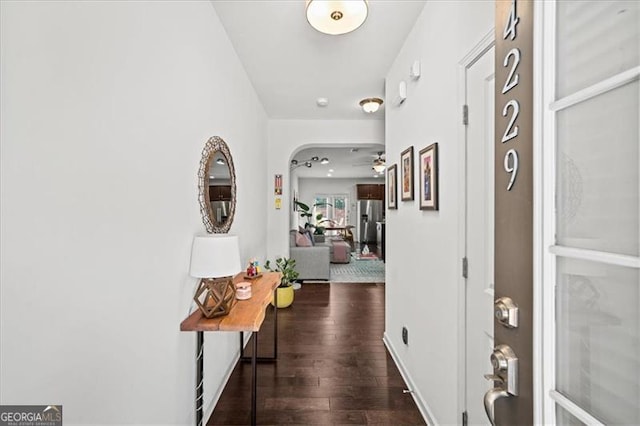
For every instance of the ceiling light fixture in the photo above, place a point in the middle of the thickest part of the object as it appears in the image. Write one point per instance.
(378, 163)
(308, 163)
(379, 167)
(370, 105)
(336, 17)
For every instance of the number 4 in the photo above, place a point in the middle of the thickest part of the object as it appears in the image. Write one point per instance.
(510, 28)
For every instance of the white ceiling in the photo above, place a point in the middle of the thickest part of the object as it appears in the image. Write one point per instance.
(343, 162)
(290, 64)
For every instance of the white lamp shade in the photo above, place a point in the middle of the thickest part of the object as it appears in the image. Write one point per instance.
(336, 17)
(215, 256)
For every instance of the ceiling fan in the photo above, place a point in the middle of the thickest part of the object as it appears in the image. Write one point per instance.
(379, 164)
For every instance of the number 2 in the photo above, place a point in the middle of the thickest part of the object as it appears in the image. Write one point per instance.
(512, 21)
(511, 132)
(512, 79)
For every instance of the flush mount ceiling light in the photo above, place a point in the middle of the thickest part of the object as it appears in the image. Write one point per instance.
(336, 17)
(308, 163)
(370, 105)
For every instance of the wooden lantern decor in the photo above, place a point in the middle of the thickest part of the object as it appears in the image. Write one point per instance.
(215, 296)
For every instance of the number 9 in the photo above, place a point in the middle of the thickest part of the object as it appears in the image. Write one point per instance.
(513, 168)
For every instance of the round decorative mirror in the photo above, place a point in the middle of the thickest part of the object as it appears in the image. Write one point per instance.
(217, 186)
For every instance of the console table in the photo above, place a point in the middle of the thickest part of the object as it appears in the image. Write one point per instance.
(245, 315)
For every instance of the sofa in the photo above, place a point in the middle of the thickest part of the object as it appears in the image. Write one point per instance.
(312, 263)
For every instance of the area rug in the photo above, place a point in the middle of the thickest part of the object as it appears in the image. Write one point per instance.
(358, 271)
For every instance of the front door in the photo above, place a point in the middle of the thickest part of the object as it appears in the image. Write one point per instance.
(591, 103)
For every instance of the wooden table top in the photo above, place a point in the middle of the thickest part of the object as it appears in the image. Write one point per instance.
(245, 315)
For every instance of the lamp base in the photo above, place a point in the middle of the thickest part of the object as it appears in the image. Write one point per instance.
(215, 296)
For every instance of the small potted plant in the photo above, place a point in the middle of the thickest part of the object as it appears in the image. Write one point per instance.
(289, 274)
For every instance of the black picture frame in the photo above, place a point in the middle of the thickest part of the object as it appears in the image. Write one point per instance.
(392, 187)
(428, 173)
(406, 164)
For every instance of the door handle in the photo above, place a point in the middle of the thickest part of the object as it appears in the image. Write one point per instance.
(490, 399)
(505, 376)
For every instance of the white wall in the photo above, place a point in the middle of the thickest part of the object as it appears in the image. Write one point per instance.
(423, 265)
(309, 187)
(106, 107)
(286, 137)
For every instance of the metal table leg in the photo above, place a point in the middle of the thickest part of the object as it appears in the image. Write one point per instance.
(254, 380)
(275, 323)
(255, 359)
(199, 376)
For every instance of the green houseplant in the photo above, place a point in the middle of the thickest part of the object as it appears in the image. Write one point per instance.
(287, 267)
(305, 212)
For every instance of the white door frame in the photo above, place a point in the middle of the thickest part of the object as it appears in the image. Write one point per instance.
(486, 43)
(543, 217)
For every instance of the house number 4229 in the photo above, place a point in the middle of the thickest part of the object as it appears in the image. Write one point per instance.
(512, 108)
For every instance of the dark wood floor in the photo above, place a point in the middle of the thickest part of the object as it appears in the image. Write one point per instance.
(332, 366)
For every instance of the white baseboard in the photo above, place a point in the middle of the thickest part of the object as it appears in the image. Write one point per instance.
(214, 401)
(426, 412)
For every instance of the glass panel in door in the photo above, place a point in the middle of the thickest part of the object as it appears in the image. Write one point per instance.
(597, 40)
(598, 181)
(598, 338)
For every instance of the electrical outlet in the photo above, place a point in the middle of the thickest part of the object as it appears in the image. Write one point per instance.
(405, 335)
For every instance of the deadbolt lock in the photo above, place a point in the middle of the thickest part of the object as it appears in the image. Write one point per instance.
(506, 312)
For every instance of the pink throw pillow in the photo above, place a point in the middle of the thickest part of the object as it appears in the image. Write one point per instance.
(302, 240)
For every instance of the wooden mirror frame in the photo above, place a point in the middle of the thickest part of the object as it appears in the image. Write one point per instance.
(215, 144)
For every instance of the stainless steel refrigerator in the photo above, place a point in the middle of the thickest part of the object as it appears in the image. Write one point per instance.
(369, 212)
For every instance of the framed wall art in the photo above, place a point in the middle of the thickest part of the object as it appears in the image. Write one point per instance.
(392, 187)
(428, 181)
(406, 162)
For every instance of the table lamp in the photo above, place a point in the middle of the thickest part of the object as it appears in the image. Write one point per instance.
(215, 259)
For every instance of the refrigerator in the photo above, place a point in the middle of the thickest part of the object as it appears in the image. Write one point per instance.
(369, 212)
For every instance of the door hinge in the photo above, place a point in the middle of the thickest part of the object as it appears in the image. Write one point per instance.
(465, 114)
(465, 268)
(465, 418)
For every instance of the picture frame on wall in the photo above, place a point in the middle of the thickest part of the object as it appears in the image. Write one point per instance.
(406, 163)
(392, 187)
(428, 177)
